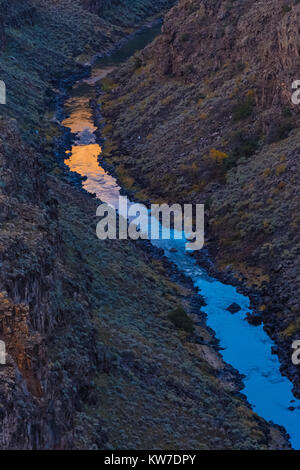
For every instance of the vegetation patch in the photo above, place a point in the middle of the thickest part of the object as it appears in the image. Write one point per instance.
(181, 320)
(244, 108)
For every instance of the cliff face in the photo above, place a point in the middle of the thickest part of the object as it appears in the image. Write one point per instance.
(128, 11)
(262, 37)
(205, 115)
(14, 14)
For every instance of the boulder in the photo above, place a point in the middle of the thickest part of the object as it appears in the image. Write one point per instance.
(234, 308)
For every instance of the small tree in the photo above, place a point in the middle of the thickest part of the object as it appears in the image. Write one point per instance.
(181, 320)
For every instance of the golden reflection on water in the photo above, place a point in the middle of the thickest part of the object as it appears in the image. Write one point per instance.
(80, 117)
(83, 159)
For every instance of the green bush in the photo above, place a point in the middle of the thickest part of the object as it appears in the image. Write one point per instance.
(181, 320)
(137, 62)
(185, 37)
(282, 130)
(243, 108)
(286, 9)
(243, 146)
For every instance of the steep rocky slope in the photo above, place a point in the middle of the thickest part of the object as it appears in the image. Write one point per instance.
(126, 12)
(204, 115)
(68, 34)
(93, 359)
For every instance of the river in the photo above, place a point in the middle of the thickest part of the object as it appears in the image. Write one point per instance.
(247, 348)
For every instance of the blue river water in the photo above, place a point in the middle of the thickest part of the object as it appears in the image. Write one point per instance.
(246, 347)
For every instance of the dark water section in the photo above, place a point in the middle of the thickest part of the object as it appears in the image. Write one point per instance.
(137, 43)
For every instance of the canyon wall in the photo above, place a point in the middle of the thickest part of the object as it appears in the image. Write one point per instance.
(93, 360)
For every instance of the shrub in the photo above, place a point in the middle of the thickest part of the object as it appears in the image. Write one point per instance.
(244, 107)
(137, 62)
(282, 130)
(166, 101)
(107, 130)
(108, 84)
(217, 155)
(282, 185)
(191, 172)
(191, 69)
(181, 320)
(292, 328)
(266, 172)
(281, 169)
(185, 37)
(243, 146)
(286, 9)
(203, 116)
